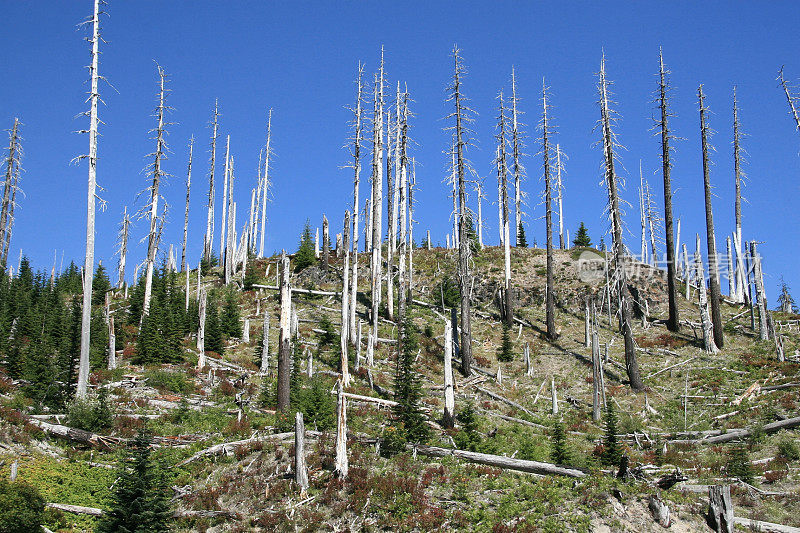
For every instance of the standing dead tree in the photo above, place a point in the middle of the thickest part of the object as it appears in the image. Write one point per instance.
(705, 320)
(673, 322)
(739, 175)
(612, 184)
(345, 301)
(10, 184)
(186, 212)
(88, 266)
(157, 174)
(713, 268)
(501, 161)
(209, 237)
(516, 153)
(461, 115)
(355, 151)
(224, 220)
(560, 194)
(284, 339)
(376, 203)
(791, 99)
(122, 250)
(547, 130)
(265, 187)
(403, 248)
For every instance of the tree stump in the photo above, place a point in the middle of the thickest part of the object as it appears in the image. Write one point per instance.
(720, 508)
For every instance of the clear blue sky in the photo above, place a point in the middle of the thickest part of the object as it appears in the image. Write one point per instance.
(300, 58)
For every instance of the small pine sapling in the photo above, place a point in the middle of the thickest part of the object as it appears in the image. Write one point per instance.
(505, 352)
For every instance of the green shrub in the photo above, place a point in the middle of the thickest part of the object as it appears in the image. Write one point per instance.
(789, 449)
(91, 414)
(739, 464)
(317, 405)
(468, 438)
(21, 507)
(164, 380)
(393, 440)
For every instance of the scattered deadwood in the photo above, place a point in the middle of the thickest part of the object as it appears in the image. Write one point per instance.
(720, 508)
(94, 511)
(77, 509)
(736, 434)
(758, 525)
(499, 461)
(513, 404)
(76, 435)
(229, 447)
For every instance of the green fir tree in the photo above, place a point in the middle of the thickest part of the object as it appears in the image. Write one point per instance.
(582, 239)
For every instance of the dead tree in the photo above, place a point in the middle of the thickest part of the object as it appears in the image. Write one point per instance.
(449, 398)
(705, 319)
(230, 227)
(326, 243)
(550, 308)
(412, 184)
(345, 301)
(186, 212)
(642, 216)
(392, 204)
(560, 194)
(201, 332)
(122, 250)
(791, 99)
(223, 233)
(611, 179)
(402, 173)
(341, 466)
(300, 468)
(6, 244)
(720, 509)
(761, 302)
(157, 174)
(265, 187)
(461, 116)
(377, 199)
(480, 197)
(673, 322)
(355, 150)
(284, 339)
(516, 153)
(88, 266)
(265, 343)
(209, 237)
(738, 274)
(502, 184)
(9, 189)
(713, 269)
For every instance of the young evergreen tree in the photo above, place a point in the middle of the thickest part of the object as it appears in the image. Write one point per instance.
(140, 502)
(785, 301)
(21, 507)
(304, 257)
(505, 352)
(214, 340)
(250, 277)
(207, 262)
(612, 453)
(522, 241)
(408, 388)
(468, 437)
(231, 318)
(100, 285)
(560, 453)
(582, 237)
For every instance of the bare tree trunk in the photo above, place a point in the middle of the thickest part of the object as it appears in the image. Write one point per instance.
(356, 153)
(720, 508)
(230, 225)
(465, 276)
(454, 185)
(402, 171)
(553, 395)
(223, 233)
(201, 332)
(159, 154)
(550, 308)
(341, 466)
(713, 269)
(326, 243)
(705, 320)
(642, 216)
(122, 251)
(791, 99)
(516, 154)
(112, 344)
(88, 266)
(265, 343)
(502, 183)
(265, 187)
(411, 186)
(631, 362)
(12, 164)
(186, 212)
(763, 331)
(300, 468)
(377, 201)
(208, 245)
(449, 397)
(284, 339)
(739, 174)
(731, 272)
(6, 244)
(559, 186)
(344, 361)
(480, 197)
(596, 380)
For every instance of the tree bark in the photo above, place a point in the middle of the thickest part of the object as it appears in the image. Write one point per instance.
(720, 508)
(516, 154)
(550, 310)
(341, 466)
(449, 396)
(502, 184)
(300, 468)
(356, 152)
(705, 320)
(761, 303)
(201, 332)
(284, 346)
(343, 352)
(186, 211)
(208, 245)
(265, 343)
(326, 243)
(713, 269)
(499, 461)
(377, 200)
(631, 362)
(265, 187)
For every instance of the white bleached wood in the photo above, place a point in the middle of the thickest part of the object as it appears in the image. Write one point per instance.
(705, 319)
(186, 211)
(224, 220)
(300, 468)
(356, 152)
(265, 343)
(341, 465)
(344, 341)
(209, 236)
(265, 188)
(449, 396)
(553, 394)
(201, 332)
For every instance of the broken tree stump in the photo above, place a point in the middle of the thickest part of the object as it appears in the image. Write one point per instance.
(720, 508)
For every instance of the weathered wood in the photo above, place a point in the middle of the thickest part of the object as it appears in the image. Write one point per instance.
(265, 343)
(300, 468)
(705, 320)
(499, 461)
(760, 525)
(76, 509)
(512, 403)
(736, 434)
(284, 339)
(659, 510)
(228, 448)
(345, 316)
(554, 395)
(596, 381)
(76, 435)
(449, 398)
(720, 508)
(341, 465)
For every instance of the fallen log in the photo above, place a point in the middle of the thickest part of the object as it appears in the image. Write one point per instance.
(499, 461)
(77, 435)
(77, 509)
(734, 434)
(229, 447)
(513, 404)
(758, 525)
(94, 511)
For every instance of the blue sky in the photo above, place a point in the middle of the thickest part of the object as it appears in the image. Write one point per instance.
(300, 59)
